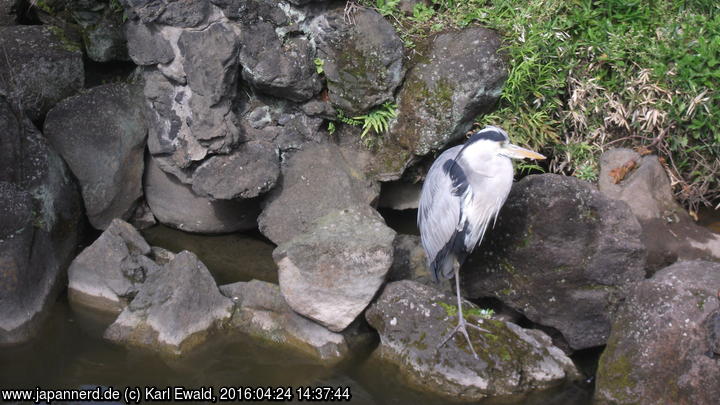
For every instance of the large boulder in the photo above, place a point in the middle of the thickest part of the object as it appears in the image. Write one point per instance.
(40, 212)
(561, 253)
(315, 181)
(249, 171)
(262, 312)
(109, 273)
(362, 58)
(331, 273)
(146, 46)
(175, 204)
(101, 134)
(39, 67)
(276, 57)
(668, 231)
(455, 76)
(665, 341)
(412, 320)
(175, 310)
(190, 99)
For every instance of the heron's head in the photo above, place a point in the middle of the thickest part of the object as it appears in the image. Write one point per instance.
(494, 140)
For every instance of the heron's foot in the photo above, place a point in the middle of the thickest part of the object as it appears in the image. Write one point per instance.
(462, 328)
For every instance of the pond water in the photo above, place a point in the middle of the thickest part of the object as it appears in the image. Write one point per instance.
(70, 351)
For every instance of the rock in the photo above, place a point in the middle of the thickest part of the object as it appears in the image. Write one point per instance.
(143, 217)
(146, 45)
(262, 312)
(101, 134)
(175, 310)
(315, 181)
(669, 233)
(40, 67)
(190, 115)
(8, 13)
(108, 273)
(249, 171)
(331, 273)
(561, 253)
(660, 350)
(282, 67)
(455, 76)
(105, 40)
(412, 319)
(40, 212)
(184, 13)
(399, 195)
(362, 58)
(174, 204)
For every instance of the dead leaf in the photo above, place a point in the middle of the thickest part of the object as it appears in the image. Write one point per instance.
(643, 150)
(618, 174)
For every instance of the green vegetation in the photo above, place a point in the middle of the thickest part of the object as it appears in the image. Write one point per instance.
(586, 75)
(452, 310)
(319, 65)
(376, 120)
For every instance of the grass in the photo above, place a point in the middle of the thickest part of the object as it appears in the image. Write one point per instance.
(587, 75)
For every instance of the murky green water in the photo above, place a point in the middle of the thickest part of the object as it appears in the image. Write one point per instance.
(70, 351)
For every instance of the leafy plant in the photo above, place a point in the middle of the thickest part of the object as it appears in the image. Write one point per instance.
(377, 119)
(319, 66)
(387, 7)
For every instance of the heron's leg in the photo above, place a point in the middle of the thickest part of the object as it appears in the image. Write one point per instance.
(462, 324)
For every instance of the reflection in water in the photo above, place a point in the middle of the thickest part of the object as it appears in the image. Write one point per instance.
(230, 258)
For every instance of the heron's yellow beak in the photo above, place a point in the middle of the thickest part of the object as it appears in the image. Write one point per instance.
(516, 152)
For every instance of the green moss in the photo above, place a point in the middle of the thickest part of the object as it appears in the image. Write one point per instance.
(67, 43)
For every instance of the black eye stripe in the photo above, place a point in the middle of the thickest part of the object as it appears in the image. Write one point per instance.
(488, 134)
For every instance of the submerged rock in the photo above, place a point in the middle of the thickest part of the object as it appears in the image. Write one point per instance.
(316, 180)
(40, 212)
(175, 310)
(669, 234)
(101, 134)
(108, 273)
(362, 58)
(455, 76)
(261, 311)
(174, 204)
(331, 273)
(412, 319)
(39, 67)
(664, 343)
(561, 254)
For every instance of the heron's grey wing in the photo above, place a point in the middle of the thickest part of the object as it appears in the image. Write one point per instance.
(439, 212)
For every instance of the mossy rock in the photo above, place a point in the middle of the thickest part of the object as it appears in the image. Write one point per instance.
(413, 318)
(448, 84)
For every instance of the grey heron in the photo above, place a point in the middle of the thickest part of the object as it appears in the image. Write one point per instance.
(463, 192)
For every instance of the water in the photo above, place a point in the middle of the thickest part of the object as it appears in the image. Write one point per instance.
(70, 351)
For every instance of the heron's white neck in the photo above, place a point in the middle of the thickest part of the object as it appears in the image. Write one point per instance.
(483, 158)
